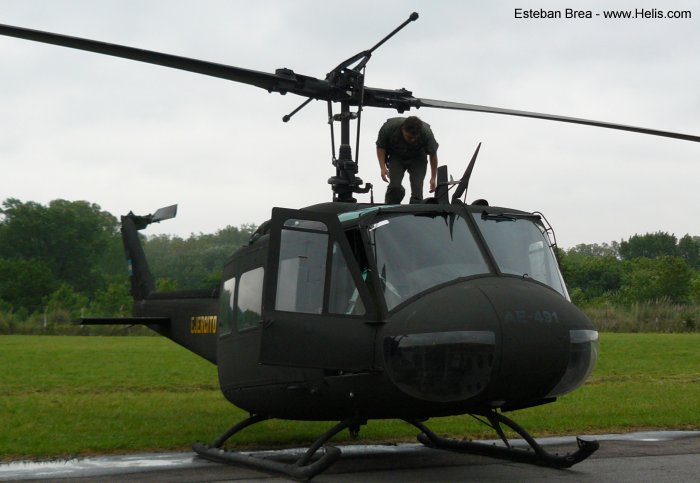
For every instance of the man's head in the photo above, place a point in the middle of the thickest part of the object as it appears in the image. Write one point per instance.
(411, 129)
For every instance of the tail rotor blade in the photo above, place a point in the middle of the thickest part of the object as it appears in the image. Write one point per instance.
(165, 213)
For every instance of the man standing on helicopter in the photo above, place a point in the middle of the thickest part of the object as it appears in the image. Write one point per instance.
(404, 144)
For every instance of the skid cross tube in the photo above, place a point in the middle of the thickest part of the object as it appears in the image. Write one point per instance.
(302, 469)
(538, 455)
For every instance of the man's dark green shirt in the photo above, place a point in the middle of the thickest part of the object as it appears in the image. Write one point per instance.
(391, 140)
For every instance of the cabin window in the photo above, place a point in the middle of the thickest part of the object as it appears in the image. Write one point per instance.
(250, 299)
(344, 297)
(302, 267)
(415, 252)
(225, 322)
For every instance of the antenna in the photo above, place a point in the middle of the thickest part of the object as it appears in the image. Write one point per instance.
(464, 182)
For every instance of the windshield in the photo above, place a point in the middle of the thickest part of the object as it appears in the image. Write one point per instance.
(417, 251)
(521, 247)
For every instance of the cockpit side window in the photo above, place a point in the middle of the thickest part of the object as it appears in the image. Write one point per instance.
(302, 270)
(309, 274)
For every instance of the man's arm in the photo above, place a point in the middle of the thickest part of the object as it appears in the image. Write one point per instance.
(433, 171)
(383, 170)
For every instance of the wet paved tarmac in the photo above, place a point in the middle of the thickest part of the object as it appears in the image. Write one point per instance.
(670, 456)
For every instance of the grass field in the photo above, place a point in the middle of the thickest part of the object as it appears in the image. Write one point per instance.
(64, 396)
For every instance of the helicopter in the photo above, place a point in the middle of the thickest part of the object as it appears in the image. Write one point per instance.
(347, 312)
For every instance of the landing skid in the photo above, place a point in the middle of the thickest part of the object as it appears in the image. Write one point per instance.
(310, 464)
(303, 469)
(538, 455)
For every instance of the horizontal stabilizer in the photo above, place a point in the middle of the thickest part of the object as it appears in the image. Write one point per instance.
(125, 320)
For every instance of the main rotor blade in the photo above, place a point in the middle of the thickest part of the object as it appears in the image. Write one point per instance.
(551, 117)
(284, 81)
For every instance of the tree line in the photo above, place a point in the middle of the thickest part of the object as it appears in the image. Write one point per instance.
(645, 268)
(65, 259)
(648, 283)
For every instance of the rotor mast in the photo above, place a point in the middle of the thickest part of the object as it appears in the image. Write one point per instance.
(352, 80)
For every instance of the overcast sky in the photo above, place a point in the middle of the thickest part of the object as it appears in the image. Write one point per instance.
(132, 136)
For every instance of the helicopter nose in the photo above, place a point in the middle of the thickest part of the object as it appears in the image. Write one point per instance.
(548, 346)
(505, 341)
(442, 346)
